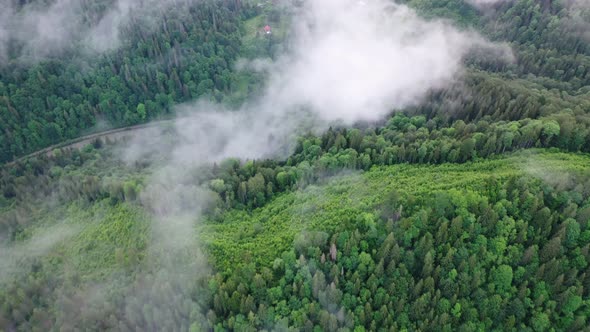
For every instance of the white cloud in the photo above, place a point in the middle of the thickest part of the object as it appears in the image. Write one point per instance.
(356, 62)
(347, 62)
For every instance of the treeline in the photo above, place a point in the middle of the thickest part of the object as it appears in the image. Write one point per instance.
(496, 97)
(511, 257)
(403, 140)
(247, 185)
(187, 53)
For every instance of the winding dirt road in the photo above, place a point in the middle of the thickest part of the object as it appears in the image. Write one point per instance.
(80, 142)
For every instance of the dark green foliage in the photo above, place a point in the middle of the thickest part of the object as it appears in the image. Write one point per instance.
(190, 54)
(548, 37)
(403, 140)
(427, 224)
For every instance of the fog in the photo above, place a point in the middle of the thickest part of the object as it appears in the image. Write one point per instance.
(15, 259)
(48, 30)
(582, 4)
(346, 62)
(356, 62)
(579, 18)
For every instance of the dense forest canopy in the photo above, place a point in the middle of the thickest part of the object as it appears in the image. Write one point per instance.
(170, 55)
(465, 209)
(184, 52)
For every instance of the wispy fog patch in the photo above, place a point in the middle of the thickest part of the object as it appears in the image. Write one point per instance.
(546, 171)
(42, 30)
(214, 133)
(347, 62)
(15, 258)
(5, 15)
(356, 61)
(578, 21)
(106, 34)
(579, 3)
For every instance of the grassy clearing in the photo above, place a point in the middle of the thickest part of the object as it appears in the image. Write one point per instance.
(350, 198)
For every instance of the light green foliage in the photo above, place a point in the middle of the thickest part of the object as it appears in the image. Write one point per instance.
(338, 204)
(465, 263)
(503, 277)
(141, 111)
(217, 185)
(551, 129)
(111, 238)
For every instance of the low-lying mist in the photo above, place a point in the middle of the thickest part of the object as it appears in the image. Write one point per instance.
(15, 258)
(347, 61)
(44, 30)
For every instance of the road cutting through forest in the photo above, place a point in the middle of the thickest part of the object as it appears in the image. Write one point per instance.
(80, 142)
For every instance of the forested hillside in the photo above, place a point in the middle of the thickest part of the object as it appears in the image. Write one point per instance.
(193, 49)
(494, 244)
(189, 54)
(468, 210)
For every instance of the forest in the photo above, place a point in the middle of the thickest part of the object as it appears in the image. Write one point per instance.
(189, 55)
(469, 210)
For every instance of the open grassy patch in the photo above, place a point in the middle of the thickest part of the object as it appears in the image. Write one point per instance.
(262, 235)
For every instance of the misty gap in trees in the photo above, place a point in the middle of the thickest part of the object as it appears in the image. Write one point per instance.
(496, 248)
